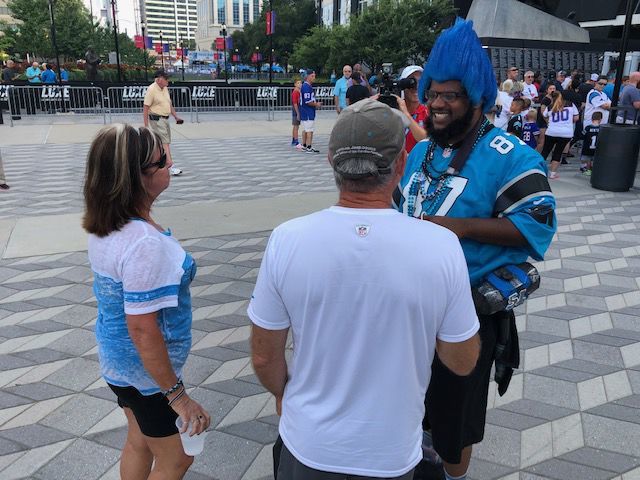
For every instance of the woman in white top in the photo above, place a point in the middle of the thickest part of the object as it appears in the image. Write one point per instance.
(561, 116)
(141, 283)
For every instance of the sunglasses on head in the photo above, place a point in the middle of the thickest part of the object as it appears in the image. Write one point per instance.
(160, 163)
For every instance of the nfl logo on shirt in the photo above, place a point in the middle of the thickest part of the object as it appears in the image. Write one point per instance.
(363, 230)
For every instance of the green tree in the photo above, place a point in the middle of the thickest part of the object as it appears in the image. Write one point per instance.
(396, 31)
(33, 34)
(294, 18)
(312, 50)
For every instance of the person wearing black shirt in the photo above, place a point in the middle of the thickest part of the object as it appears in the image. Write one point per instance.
(356, 92)
(9, 74)
(515, 122)
(586, 87)
(545, 102)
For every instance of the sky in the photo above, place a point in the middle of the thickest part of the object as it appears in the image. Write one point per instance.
(125, 13)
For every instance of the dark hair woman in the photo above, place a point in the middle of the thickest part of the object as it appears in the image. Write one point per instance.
(141, 282)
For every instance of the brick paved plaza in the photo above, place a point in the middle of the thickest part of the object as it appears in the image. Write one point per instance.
(572, 411)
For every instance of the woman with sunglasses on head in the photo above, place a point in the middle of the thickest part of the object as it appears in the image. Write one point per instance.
(141, 283)
(410, 105)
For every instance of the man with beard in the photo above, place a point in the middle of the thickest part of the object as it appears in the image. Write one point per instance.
(491, 190)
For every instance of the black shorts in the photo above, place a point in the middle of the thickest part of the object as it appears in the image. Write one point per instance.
(457, 420)
(154, 415)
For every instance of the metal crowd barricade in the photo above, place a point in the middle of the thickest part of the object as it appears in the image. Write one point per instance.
(211, 98)
(129, 100)
(54, 99)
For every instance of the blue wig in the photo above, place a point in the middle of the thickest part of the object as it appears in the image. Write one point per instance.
(458, 55)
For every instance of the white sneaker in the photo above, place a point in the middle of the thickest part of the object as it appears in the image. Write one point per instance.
(553, 175)
(175, 171)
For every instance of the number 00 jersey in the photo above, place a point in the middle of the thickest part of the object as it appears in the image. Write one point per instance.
(502, 177)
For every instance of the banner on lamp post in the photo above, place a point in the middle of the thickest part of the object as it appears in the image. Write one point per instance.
(219, 43)
(139, 41)
(271, 22)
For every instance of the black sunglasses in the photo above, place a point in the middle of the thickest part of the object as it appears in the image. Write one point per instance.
(602, 83)
(448, 97)
(160, 163)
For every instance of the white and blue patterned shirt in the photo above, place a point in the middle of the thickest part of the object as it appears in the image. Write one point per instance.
(140, 270)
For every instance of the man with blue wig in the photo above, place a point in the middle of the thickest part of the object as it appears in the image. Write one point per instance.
(490, 189)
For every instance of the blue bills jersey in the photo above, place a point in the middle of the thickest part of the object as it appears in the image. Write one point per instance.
(307, 96)
(502, 177)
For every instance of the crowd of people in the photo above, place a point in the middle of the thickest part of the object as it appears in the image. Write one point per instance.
(562, 112)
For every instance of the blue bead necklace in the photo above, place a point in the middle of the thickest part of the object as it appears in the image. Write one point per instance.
(420, 183)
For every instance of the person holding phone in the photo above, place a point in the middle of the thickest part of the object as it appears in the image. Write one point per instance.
(142, 279)
(156, 110)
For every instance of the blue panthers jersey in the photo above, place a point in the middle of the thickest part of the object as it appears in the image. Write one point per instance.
(502, 177)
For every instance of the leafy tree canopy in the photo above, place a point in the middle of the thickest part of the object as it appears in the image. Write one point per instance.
(397, 31)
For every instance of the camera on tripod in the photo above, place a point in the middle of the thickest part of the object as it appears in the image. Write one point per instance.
(390, 87)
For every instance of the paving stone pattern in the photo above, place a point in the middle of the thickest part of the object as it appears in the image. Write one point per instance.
(214, 170)
(572, 411)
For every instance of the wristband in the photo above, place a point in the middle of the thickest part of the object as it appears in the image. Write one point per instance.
(173, 389)
(174, 399)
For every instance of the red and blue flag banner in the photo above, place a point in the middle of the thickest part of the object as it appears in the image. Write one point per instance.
(236, 58)
(229, 43)
(219, 43)
(271, 22)
(149, 42)
(165, 48)
(138, 40)
(159, 47)
(178, 52)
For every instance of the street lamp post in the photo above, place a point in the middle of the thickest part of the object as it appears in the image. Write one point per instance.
(53, 38)
(223, 32)
(161, 50)
(257, 63)
(55, 47)
(182, 55)
(115, 38)
(143, 26)
(271, 44)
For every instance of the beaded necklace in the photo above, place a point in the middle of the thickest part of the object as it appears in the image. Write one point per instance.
(420, 183)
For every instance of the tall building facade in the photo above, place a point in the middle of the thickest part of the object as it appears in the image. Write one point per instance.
(235, 14)
(177, 20)
(337, 12)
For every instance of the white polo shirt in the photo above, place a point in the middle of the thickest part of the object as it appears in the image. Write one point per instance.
(366, 292)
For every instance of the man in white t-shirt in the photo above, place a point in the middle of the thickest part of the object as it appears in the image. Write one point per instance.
(529, 90)
(597, 101)
(369, 296)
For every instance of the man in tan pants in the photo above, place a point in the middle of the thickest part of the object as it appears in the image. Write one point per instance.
(156, 111)
(3, 180)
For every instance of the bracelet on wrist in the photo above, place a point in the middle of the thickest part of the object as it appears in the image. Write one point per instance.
(173, 389)
(178, 396)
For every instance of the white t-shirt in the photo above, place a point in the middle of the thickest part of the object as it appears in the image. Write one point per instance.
(566, 82)
(561, 123)
(366, 293)
(529, 91)
(595, 100)
(504, 100)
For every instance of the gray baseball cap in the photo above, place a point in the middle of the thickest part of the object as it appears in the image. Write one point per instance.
(368, 129)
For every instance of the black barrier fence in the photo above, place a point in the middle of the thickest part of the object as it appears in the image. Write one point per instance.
(128, 99)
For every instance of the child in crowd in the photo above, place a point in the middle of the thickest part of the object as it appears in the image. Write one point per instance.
(295, 113)
(589, 143)
(530, 130)
(515, 122)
